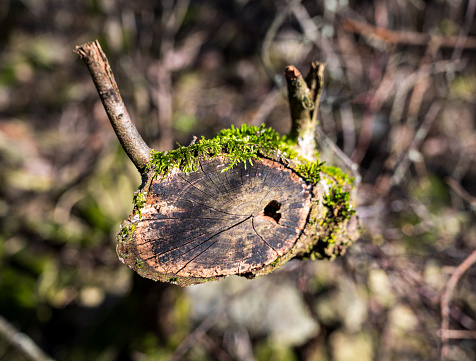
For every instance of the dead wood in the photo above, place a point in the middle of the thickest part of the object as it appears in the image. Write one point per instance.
(224, 217)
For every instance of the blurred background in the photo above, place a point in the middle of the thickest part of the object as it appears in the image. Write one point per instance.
(399, 100)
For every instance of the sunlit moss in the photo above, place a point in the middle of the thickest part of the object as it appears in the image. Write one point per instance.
(140, 198)
(139, 263)
(338, 201)
(310, 172)
(238, 145)
(337, 174)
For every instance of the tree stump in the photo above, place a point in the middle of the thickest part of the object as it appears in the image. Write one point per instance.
(242, 203)
(209, 224)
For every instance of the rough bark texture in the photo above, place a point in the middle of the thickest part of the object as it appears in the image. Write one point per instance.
(103, 78)
(301, 105)
(304, 95)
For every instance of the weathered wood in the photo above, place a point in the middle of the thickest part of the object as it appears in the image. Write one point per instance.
(103, 78)
(209, 223)
(304, 96)
(198, 222)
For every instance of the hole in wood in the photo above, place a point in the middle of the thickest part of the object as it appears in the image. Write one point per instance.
(271, 210)
(208, 223)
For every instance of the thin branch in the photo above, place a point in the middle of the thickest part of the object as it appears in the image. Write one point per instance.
(420, 135)
(463, 35)
(404, 37)
(268, 41)
(446, 298)
(423, 81)
(207, 323)
(21, 342)
(348, 128)
(98, 65)
(311, 31)
(374, 104)
(353, 167)
(172, 19)
(460, 191)
(301, 104)
(458, 334)
(266, 107)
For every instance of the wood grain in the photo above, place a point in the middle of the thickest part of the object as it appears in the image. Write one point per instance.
(211, 223)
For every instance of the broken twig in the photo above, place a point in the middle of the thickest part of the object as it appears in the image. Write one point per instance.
(98, 65)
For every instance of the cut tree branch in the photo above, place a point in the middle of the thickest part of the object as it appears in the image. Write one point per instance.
(300, 103)
(303, 95)
(98, 65)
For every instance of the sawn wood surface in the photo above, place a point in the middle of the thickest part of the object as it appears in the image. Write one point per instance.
(212, 223)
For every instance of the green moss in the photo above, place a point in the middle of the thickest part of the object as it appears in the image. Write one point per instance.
(337, 174)
(275, 263)
(127, 231)
(239, 145)
(330, 240)
(140, 199)
(339, 205)
(310, 172)
(139, 263)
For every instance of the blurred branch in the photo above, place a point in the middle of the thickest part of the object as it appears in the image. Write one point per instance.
(348, 128)
(460, 43)
(420, 135)
(22, 342)
(321, 42)
(458, 334)
(266, 107)
(197, 333)
(374, 33)
(349, 164)
(201, 330)
(423, 81)
(172, 18)
(268, 41)
(404, 86)
(98, 65)
(445, 302)
(374, 104)
(460, 191)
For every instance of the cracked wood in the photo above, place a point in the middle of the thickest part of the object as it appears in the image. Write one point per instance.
(211, 223)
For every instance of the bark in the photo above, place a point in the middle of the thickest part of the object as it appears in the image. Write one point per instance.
(304, 95)
(103, 78)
